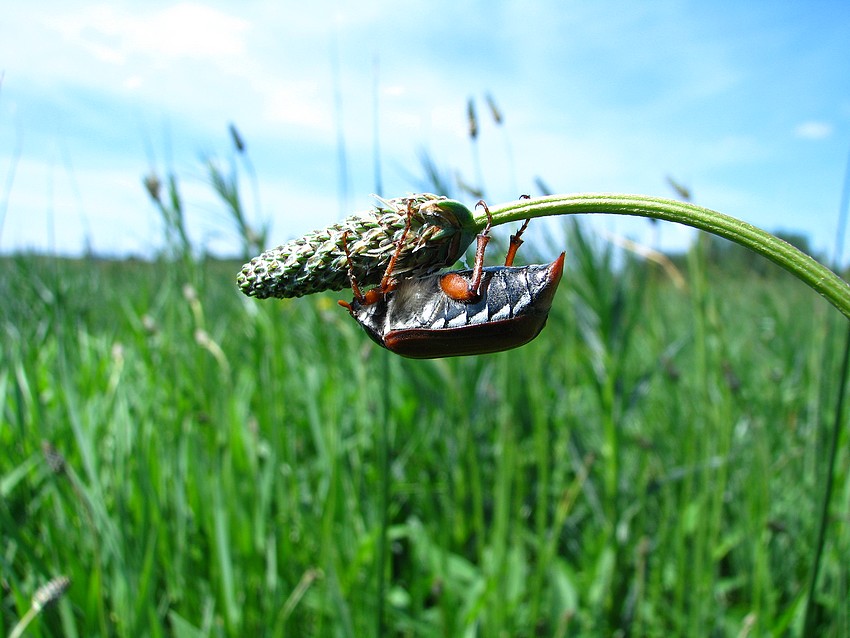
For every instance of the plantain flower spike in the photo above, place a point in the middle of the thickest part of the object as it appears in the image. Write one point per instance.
(44, 596)
(441, 229)
(50, 592)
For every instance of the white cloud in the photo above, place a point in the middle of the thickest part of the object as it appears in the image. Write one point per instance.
(184, 30)
(813, 130)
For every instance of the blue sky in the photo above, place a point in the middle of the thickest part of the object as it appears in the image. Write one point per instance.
(747, 103)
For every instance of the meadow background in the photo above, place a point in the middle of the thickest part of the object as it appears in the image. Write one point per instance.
(203, 464)
(197, 463)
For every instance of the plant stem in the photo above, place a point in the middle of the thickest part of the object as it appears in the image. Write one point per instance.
(810, 617)
(19, 629)
(812, 273)
(384, 454)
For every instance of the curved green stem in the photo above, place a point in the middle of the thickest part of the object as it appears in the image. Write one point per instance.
(809, 271)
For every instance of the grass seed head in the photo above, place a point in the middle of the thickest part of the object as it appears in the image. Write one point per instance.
(50, 592)
(54, 459)
(440, 231)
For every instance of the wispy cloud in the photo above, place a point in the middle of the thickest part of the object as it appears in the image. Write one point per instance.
(814, 130)
(184, 30)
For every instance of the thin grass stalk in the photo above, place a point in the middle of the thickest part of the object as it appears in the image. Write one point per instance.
(248, 233)
(473, 130)
(810, 617)
(376, 126)
(227, 188)
(506, 469)
(476, 492)
(171, 210)
(338, 602)
(386, 491)
(545, 480)
(843, 209)
(339, 120)
(691, 567)
(611, 454)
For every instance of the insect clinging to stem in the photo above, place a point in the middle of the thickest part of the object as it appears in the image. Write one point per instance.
(460, 312)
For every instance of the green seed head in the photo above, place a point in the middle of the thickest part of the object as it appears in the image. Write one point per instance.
(441, 229)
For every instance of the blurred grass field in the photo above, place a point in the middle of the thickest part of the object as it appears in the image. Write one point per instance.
(203, 464)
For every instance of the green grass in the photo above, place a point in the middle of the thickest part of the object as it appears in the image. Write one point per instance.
(652, 464)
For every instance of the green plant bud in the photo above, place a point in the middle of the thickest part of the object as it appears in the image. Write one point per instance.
(440, 231)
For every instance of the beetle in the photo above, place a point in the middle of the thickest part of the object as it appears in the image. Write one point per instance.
(461, 312)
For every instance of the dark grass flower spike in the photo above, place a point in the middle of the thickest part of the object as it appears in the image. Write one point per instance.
(441, 230)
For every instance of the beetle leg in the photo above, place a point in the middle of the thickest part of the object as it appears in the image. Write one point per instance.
(456, 286)
(385, 281)
(354, 287)
(516, 242)
(483, 240)
(374, 294)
